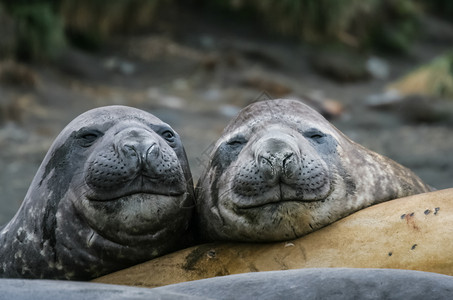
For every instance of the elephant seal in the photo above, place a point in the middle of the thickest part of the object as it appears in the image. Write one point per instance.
(413, 233)
(39, 289)
(114, 189)
(331, 283)
(280, 170)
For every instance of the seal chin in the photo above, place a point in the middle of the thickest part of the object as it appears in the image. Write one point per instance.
(138, 218)
(129, 197)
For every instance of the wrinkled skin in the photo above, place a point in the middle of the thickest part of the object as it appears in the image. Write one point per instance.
(114, 190)
(280, 171)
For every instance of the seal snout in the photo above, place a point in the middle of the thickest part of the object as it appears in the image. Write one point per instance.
(141, 148)
(284, 167)
(137, 161)
(276, 158)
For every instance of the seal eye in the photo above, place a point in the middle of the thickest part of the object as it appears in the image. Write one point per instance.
(236, 142)
(315, 135)
(168, 135)
(87, 138)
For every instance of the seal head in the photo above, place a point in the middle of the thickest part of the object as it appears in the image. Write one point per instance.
(280, 170)
(114, 190)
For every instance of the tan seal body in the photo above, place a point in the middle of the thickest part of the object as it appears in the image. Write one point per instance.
(280, 170)
(413, 233)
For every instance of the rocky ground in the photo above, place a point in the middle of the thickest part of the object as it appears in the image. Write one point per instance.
(198, 80)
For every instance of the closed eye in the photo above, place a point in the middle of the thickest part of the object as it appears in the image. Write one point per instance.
(236, 141)
(87, 138)
(315, 135)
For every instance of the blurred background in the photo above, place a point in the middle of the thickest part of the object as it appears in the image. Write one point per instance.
(380, 70)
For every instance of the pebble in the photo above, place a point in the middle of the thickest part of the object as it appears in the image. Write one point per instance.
(378, 68)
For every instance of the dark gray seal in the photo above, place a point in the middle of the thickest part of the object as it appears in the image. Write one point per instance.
(314, 284)
(114, 190)
(27, 289)
(307, 284)
(280, 170)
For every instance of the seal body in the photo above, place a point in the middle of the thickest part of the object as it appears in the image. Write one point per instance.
(413, 233)
(113, 190)
(331, 283)
(280, 171)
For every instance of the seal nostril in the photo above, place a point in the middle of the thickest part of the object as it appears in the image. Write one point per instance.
(288, 158)
(129, 150)
(153, 150)
(265, 161)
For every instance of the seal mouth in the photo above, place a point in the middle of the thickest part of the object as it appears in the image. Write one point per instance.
(278, 202)
(282, 194)
(136, 195)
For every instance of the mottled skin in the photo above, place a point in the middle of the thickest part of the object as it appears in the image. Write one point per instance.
(280, 171)
(307, 284)
(316, 284)
(114, 190)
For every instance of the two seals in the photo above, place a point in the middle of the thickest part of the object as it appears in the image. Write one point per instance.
(114, 190)
(280, 171)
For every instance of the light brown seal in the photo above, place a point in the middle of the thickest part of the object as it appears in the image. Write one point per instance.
(414, 233)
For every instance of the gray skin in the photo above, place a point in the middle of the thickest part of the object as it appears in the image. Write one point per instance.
(307, 284)
(27, 289)
(329, 283)
(114, 190)
(280, 171)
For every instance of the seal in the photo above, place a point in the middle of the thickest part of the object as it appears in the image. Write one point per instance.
(312, 284)
(114, 190)
(43, 289)
(280, 171)
(413, 232)
(329, 283)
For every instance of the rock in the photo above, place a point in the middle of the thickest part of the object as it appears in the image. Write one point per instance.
(412, 233)
(420, 109)
(229, 110)
(384, 100)
(378, 68)
(81, 65)
(17, 75)
(8, 34)
(434, 79)
(156, 47)
(436, 30)
(413, 108)
(327, 107)
(340, 66)
(118, 65)
(262, 82)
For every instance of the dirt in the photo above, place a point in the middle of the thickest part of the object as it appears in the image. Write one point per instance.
(197, 81)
